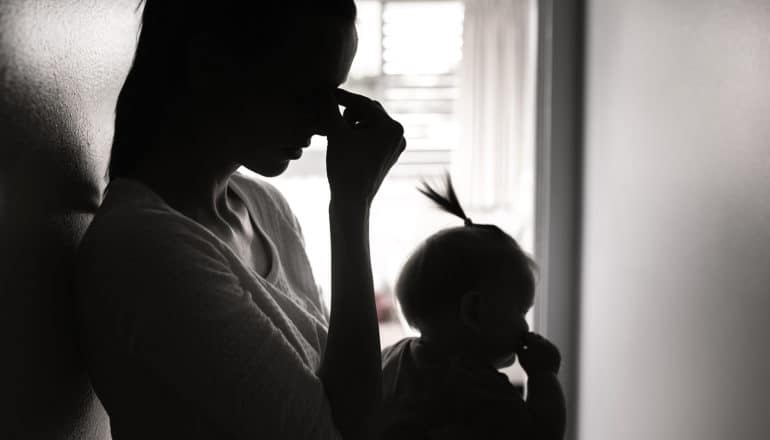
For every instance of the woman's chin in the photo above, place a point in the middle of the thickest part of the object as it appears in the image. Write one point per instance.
(269, 169)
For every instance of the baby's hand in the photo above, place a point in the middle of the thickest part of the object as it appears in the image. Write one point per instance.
(538, 355)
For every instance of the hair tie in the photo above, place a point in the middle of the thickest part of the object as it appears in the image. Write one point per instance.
(468, 221)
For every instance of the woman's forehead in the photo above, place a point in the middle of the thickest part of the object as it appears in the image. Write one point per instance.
(321, 50)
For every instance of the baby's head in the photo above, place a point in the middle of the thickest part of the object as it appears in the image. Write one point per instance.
(468, 288)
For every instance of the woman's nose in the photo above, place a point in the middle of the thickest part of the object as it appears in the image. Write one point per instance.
(310, 117)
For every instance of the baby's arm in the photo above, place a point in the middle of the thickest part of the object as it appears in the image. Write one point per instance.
(545, 399)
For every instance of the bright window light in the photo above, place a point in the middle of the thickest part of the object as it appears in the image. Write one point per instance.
(409, 57)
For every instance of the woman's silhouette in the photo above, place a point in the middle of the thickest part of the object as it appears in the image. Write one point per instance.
(198, 311)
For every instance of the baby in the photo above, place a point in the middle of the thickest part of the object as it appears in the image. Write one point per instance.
(467, 290)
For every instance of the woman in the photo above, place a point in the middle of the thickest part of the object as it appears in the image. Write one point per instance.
(199, 314)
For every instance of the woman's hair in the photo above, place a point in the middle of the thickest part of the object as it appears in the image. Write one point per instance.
(456, 260)
(242, 32)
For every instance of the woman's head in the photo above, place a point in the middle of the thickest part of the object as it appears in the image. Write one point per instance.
(246, 81)
(475, 277)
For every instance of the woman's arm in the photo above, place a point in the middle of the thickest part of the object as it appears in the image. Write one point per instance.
(364, 143)
(348, 372)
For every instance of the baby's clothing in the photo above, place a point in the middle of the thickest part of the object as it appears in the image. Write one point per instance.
(428, 395)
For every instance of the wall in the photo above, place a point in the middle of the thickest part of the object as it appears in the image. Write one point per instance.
(676, 235)
(62, 63)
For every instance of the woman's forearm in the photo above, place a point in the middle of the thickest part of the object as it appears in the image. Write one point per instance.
(350, 369)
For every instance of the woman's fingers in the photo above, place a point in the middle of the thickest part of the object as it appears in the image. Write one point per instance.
(350, 116)
(362, 152)
(397, 152)
(331, 120)
(347, 98)
(358, 107)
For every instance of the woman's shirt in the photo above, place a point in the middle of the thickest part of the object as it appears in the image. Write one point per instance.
(184, 340)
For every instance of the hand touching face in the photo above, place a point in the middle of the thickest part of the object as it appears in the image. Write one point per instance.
(274, 111)
(503, 324)
(539, 355)
(364, 143)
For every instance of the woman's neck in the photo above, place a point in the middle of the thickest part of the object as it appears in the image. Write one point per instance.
(189, 180)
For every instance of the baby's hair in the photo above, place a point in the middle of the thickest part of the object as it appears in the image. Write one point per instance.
(456, 260)
(448, 202)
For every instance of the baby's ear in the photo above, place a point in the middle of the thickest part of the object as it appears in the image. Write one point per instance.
(470, 315)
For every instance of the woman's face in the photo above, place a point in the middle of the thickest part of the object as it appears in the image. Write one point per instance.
(275, 112)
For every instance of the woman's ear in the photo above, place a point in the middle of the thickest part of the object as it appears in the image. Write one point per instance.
(470, 310)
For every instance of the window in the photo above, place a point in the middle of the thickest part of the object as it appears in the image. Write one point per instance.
(414, 74)
(419, 77)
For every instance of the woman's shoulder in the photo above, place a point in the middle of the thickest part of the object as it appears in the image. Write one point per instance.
(135, 224)
(139, 256)
(131, 208)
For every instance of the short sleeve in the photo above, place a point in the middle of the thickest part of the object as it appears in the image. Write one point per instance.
(184, 316)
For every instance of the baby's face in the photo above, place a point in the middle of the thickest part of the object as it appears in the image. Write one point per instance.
(504, 324)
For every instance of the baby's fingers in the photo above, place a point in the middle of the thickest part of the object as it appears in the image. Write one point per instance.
(532, 338)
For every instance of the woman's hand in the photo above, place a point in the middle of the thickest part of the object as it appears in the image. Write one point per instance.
(363, 144)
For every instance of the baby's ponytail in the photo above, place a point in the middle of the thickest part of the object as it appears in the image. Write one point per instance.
(448, 202)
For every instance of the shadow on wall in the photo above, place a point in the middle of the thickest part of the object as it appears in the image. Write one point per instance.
(62, 63)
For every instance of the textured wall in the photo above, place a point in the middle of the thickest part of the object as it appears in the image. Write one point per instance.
(62, 63)
(677, 221)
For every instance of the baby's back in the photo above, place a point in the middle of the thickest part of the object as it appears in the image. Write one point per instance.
(428, 395)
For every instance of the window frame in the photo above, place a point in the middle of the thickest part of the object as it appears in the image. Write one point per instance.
(558, 186)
